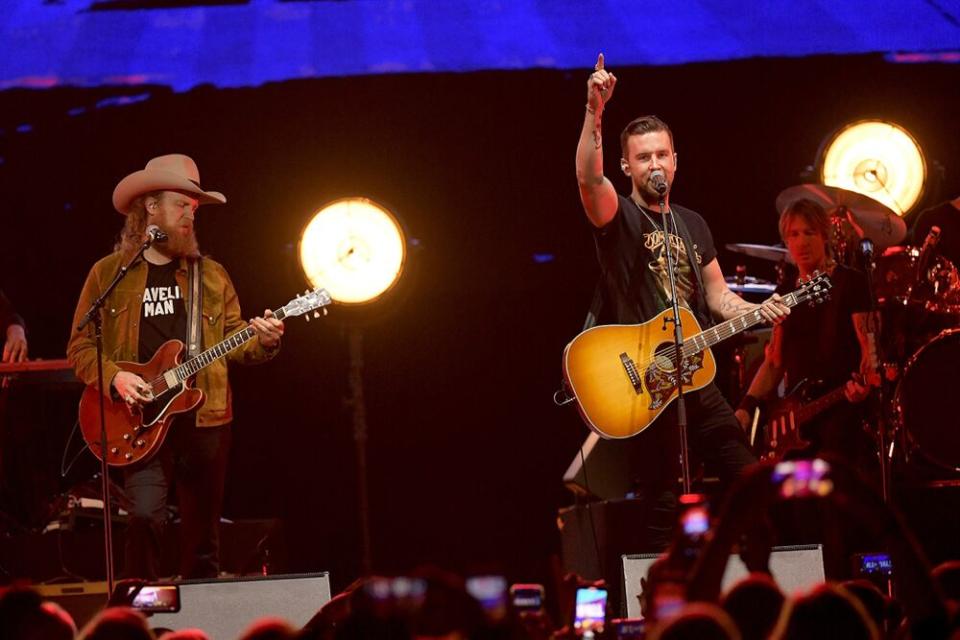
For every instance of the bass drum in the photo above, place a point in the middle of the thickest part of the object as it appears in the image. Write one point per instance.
(928, 401)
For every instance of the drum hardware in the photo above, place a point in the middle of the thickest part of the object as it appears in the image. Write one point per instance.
(925, 403)
(773, 253)
(867, 217)
(853, 217)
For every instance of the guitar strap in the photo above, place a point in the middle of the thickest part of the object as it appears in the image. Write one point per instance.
(195, 312)
(695, 267)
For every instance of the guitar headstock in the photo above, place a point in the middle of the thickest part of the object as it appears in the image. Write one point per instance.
(306, 303)
(815, 288)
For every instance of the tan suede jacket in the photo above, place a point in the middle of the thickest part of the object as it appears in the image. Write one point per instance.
(121, 330)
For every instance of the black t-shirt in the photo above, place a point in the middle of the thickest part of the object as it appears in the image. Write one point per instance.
(164, 316)
(819, 341)
(633, 261)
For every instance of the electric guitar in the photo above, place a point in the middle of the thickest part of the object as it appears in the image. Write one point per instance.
(136, 433)
(623, 376)
(782, 430)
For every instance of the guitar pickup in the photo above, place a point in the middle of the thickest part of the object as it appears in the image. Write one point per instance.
(631, 369)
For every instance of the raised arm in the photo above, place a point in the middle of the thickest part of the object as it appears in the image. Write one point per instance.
(597, 194)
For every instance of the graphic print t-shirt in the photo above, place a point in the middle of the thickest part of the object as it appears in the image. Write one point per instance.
(633, 260)
(164, 315)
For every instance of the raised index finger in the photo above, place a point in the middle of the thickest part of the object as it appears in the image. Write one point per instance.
(599, 65)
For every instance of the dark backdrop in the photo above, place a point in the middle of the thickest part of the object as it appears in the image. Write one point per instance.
(466, 447)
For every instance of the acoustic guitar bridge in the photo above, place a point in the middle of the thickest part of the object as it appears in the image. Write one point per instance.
(632, 373)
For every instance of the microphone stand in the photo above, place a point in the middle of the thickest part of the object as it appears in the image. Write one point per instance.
(93, 315)
(678, 348)
(879, 409)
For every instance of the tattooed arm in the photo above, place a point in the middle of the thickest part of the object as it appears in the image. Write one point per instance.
(597, 193)
(867, 326)
(725, 304)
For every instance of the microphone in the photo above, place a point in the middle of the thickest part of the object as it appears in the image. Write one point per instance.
(659, 181)
(866, 249)
(926, 251)
(155, 234)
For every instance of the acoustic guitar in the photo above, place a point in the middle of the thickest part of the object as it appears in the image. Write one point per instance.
(624, 376)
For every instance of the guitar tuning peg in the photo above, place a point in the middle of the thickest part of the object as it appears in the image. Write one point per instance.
(307, 317)
(324, 311)
(316, 314)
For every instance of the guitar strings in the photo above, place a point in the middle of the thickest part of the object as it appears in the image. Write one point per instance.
(670, 352)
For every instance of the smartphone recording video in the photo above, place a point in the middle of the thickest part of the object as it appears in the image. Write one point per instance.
(873, 565)
(491, 593)
(157, 598)
(803, 478)
(590, 611)
(527, 597)
(629, 628)
(694, 523)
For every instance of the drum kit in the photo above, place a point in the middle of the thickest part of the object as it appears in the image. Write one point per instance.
(917, 293)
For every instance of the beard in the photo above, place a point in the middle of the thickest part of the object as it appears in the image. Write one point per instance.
(178, 243)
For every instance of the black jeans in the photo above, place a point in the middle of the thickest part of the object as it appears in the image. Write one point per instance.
(196, 460)
(714, 437)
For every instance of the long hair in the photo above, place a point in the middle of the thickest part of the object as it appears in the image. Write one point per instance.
(133, 233)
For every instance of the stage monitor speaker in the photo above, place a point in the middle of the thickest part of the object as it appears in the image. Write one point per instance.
(796, 568)
(82, 600)
(225, 608)
(222, 608)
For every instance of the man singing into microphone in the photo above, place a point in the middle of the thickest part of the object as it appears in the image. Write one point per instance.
(630, 246)
(171, 293)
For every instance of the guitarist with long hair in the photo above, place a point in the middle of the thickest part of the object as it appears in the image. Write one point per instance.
(171, 293)
(630, 246)
(828, 345)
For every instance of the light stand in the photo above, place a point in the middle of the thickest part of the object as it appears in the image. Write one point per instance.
(355, 249)
(358, 408)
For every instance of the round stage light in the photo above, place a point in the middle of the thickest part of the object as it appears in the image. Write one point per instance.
(878, 159)
(354, 248)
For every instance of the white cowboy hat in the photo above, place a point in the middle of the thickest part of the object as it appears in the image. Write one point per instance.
(173, 172)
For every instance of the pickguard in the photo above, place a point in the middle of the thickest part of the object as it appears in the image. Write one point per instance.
(660, 383)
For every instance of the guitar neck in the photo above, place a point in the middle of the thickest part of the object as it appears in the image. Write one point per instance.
(219, 350)
(714, 335)
(821, 404)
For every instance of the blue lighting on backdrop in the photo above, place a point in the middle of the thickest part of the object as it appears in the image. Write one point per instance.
(184, 43)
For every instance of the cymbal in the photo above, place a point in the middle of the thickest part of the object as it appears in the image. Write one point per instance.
(762, 251)
(868, 217)
(750, 285)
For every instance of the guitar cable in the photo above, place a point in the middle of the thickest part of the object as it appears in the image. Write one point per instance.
(593, 526)
(64, 467)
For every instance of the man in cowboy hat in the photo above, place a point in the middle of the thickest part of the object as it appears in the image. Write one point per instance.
(155, 303)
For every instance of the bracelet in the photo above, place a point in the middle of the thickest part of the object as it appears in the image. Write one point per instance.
(749, 404)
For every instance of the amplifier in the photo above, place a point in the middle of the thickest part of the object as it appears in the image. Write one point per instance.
(796, 568)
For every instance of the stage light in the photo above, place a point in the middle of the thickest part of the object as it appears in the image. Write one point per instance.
(878, 159)
(354, 248)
